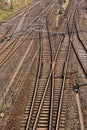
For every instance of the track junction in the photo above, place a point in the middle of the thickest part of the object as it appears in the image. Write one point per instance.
(43, 67)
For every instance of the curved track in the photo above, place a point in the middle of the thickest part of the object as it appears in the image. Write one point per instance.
(9, 48)
(47, 105)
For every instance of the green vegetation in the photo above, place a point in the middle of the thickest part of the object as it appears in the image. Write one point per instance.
(65, 4)
(4, 107)
(58, 16)
(86, 23)
(61, 11)
(5, 7)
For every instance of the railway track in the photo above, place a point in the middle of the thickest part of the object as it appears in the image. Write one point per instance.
(41, 79)
(51, 108)
(48, 98)
(81, 52)
(10, 54)
(43, 99)
(18, 23)
(42, 119)
(13, 46)
(19, 14)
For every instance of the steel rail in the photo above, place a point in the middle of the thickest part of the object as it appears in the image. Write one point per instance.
(81, 64)
(63, 83)
(76, 6)
(46, 87)
(22, 11)
(65, 70)
(84, 70)
(37, 17)
(51, 111)
(39, 72)
(20, 16)
(6, 47)
(52, 76)
(12, 52)
(63, 86)
(37, 80)
(4, 37)
(77, 32)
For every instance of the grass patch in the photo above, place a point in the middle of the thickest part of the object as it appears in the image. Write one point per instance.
(86, 23)
(64, 7)
(4, 107)
(58, 16)
(5, 10)
(65, 4)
